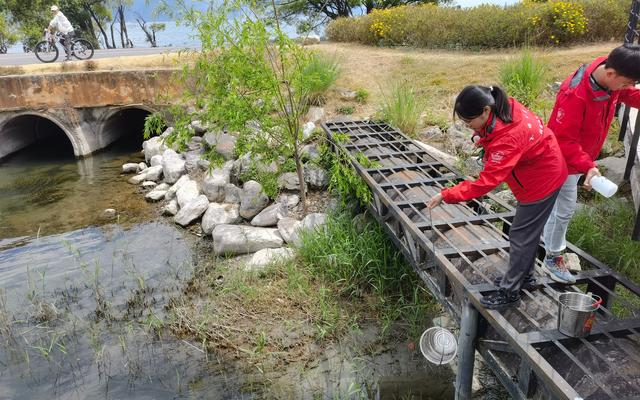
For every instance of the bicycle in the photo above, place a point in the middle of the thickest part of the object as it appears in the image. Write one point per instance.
(47, 49)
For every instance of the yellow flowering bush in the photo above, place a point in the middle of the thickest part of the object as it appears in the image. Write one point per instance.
(528, 22)
(568, 21)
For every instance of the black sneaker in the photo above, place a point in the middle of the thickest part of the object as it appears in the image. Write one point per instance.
(530, 283)
(500, 299)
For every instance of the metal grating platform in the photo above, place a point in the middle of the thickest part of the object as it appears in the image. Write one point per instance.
(459, 249)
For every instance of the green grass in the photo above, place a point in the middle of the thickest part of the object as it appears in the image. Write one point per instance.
(604, 230)
(363, 265)
(402, 108)
(320, 72)
(524, 78)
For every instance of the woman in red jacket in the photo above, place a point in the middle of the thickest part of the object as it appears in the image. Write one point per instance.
(518, 150)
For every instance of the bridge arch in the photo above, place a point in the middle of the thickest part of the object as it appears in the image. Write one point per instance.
(124, 125)
(24, 129)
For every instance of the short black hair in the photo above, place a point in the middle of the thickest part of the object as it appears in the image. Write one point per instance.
(625, 60)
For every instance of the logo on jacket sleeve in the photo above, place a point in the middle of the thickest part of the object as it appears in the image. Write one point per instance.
(559, 115)
(497, 157)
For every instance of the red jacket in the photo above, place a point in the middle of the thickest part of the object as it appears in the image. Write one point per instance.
(582, 116)
(523, 153)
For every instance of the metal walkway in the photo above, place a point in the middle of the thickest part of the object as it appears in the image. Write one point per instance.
(461, 251)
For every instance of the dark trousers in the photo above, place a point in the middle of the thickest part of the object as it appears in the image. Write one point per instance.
(524, 238)
(66, 40)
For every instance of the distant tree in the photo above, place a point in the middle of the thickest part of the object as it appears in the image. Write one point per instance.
(150, 30)
(7, 34)
(309, 14)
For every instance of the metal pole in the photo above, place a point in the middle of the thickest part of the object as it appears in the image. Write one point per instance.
(633, 149)
(636, 229)
(629, 37)
(466, 351)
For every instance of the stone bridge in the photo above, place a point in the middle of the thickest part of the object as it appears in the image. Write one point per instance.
(93, 109)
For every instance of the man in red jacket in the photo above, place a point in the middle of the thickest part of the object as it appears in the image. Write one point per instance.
(581, 118)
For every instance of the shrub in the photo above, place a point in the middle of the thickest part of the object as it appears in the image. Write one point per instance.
(317, 76)
(154, 124)
(362, 95)
(402, 108)
(487, 26)
(523, 78)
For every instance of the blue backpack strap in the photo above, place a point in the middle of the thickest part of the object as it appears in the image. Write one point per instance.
(577, 77)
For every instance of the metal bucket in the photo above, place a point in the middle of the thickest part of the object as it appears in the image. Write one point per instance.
(577, 312)
(438, 345)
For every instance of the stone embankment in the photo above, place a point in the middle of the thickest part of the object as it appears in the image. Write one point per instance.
(213, 200)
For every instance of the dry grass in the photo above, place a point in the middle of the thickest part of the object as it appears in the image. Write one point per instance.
(438, 74)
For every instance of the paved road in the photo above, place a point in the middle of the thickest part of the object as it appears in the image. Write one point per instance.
(30, 58)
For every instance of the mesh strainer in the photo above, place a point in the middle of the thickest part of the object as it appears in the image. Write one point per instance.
(438, 345)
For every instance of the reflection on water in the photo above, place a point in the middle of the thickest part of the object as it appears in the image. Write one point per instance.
(46, 191)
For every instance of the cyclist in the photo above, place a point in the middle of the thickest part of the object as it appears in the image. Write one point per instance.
(61, 24)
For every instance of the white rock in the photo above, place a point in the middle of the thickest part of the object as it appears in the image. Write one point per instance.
(192, 210)
(173, 166)
(149, 184)
(288, 228)
(188, 191)
(215, 182)
(171, 208)
(314, 221)
(109, 213)
(614, 168)
(142, 166)
(153, 173)
(289, 181)
(130, 168)
(171, 193)
(264, 257)
(307, 130)
(252, 199)
(152, 147)
(316, 177)
(270, 215)
(155, 195)
(138, 179)
(315, 115)
(156, 160)
(232, 193)
(220, 214)
(238, 239)
(198, 127)
(310, 152)
(289, 200)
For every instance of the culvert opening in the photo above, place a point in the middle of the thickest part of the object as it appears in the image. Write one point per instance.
(32, 137)
(127, 126)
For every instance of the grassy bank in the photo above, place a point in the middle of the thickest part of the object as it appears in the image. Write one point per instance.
(343, 277)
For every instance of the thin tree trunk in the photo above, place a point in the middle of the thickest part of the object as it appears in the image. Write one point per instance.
(104, 34)
(122, 25)
(113, 37)
(300, 171)
(123, 28)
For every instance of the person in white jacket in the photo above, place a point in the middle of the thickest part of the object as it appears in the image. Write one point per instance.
(61, 24)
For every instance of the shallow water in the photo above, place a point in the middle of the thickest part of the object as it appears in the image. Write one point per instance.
(83, 301)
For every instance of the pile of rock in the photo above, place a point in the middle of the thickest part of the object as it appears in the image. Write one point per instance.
(238, 215)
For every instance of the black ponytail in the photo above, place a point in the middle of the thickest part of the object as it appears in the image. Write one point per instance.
(472, 100)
